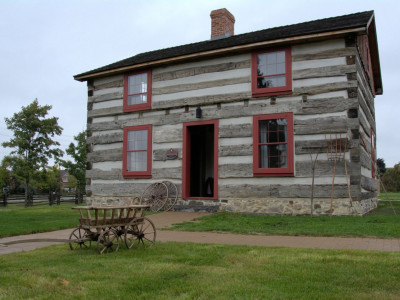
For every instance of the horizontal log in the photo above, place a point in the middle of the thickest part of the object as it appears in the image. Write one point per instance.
(365, 159)
(197, 86)
(331, 53)
(105, 138)
(369, 184)
(364, 84)
(118, 189)
(167, 135)
(116, 174)
(364, 124)
(236, 130)
(167, 173)
(324, 125)
(235, 171)
(112, 84)
(327, 105)
(104, 112)
(322, 146)
(235, 150)
(201, 100)
(369, 195)
(127, 188)
(281, 191)
(186, 72)
(105, 155)
(96, 174)
(323, 72)
(325, 168)
(324, 88)
(106, 97)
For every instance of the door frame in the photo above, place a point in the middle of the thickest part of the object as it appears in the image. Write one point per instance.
(186, 159)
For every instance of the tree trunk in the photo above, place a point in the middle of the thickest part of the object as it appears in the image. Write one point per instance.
(28, 198)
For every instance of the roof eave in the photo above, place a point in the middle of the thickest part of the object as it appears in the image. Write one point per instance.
(204, 54)
(374, 53)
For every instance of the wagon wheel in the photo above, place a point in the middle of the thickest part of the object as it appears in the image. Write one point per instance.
(155, 195)
(141, 233)
(79, 237)
(108, 241)
(172, 195)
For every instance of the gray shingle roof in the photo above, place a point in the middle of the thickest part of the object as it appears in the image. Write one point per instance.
(313, 27)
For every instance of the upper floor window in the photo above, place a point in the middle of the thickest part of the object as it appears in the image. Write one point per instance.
(137, 151)
(271, 72)
(137, 91)
(273, 145)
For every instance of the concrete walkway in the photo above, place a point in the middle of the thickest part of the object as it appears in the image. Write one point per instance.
(163, 220)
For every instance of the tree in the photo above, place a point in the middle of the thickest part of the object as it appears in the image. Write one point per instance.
(77, 167)
(391, 178)
(33, 140)
(380, 162)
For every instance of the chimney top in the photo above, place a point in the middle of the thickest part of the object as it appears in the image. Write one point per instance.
(222, 23)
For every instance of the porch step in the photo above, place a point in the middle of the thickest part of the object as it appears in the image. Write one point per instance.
(196, 208)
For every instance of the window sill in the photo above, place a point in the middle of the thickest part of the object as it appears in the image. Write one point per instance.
(132, 176)
(256, 94)
(136, 107)
(273, 174)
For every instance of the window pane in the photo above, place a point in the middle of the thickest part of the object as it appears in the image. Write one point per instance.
(137, 140)
(263, 131)
(137, 99)
(137, 84)
(137, 161)
(263, 163)
(273, 156)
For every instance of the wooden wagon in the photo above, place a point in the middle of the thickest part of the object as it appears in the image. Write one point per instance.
(108, 226)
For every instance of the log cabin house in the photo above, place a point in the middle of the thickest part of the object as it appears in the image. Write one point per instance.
(237, 121)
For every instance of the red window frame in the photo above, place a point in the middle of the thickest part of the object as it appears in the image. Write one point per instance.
(137, 174)
(279, 90)
(142, 106)
(259, 171)
(373, 152)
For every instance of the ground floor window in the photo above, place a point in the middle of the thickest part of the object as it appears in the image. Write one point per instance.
(137, 153)
(273, 145)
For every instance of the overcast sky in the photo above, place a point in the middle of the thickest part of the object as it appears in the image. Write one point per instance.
(44, 43)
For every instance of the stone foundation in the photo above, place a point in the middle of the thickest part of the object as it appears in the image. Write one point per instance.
(292, 206)
(268, 206)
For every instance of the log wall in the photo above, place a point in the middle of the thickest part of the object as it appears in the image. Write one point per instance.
(330, 101)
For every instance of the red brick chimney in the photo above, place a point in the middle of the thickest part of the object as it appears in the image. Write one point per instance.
(222, 23)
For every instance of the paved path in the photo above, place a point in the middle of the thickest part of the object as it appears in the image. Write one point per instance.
(163, 220)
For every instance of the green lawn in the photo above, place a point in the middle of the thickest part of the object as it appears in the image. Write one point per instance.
(198, 271)
(381, 223)
(390, 196)
(16, 220)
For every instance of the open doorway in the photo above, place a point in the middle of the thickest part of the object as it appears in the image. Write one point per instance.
(200, 162)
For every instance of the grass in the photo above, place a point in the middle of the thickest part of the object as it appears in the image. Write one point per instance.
(197, 271)
(17, 220)
(390, 196)
(381, 223)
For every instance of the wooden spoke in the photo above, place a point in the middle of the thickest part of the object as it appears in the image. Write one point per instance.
(79, 237)
(141, 233)
(108, 241)
(172, 195)
(155, 195)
